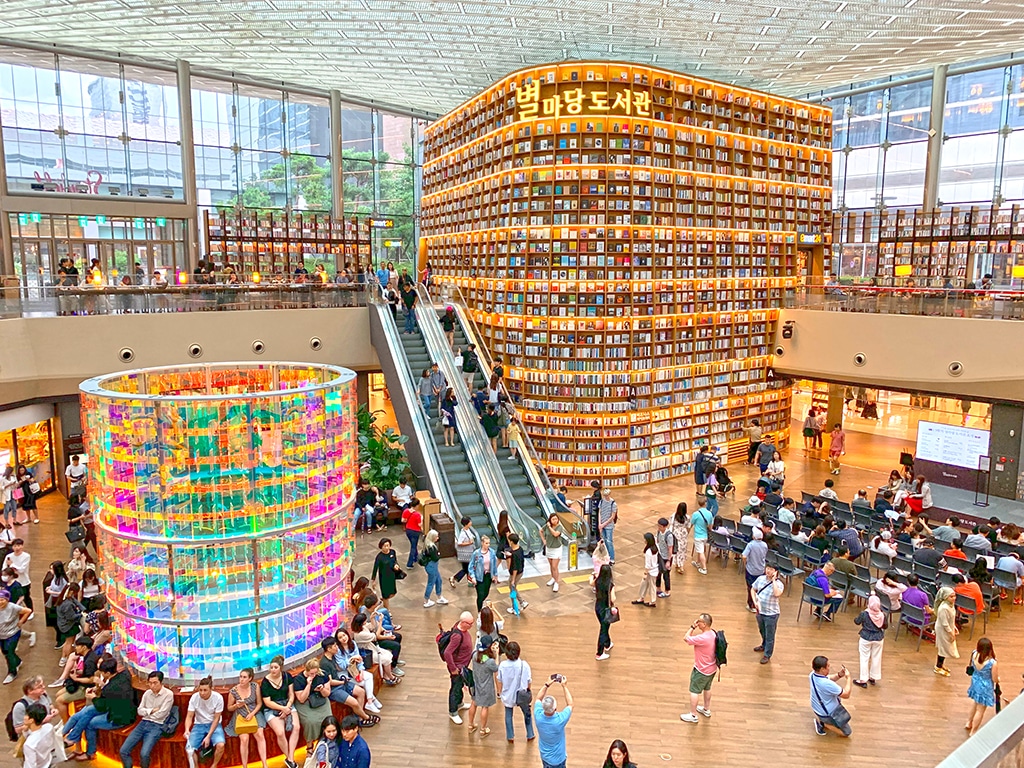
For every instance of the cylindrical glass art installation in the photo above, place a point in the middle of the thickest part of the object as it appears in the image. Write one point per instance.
(223, 497)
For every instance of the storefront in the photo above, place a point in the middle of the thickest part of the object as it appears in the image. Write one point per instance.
(26, 438)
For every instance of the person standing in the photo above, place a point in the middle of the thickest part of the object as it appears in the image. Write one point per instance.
(513, 686)
(826, 692)
(607, 517)
(29, 490)
(553, 535)
(984, 686)
(76, 474)
(413, 519)
(516, 565)
(666, 551)
(604, 607)
(551, 723)
(648, 594)
(465, 545)
(810, 426)
(754, 433)
(155, 707)
(701, 523)
(699, 474)
(12, 619)
(457, 657)
(485, 665)
(385, 570)
(836, 447)
(702, 638)
(765, 592)
(409, 299)
(755, 557)
(430, 560)
(873, 623)
(21, 561)
(448, 417)
(945, 629)
(482, 568)
(41, 748)
(470, 365)
(353, 751)
(680, 531)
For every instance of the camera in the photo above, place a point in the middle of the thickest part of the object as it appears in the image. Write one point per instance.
(558, 678)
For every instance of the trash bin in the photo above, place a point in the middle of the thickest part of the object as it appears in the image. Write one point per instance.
(445, 528)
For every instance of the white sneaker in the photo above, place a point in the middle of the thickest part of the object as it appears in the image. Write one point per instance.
(9, 679)
(456, 719)
(703, 711)
(377, 703)
(442, 601)
(63, 661)
(554, 588)
(371, 707)
(56, 684)
(398, 672)
(428, 604)
(688, 718)
(603, 656)
(550, 582)
(610, 646)
(511, 610)
(31, 639)
(465, 705)
(511, 458)
(31, 616)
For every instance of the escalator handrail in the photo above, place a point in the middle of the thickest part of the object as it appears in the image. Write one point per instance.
(493, 487)
(542, 487)
(436, 474)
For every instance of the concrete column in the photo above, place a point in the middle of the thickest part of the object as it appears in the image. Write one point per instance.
(6, 242)
(834, 415)
(1005, 448)
(935, 132)
(188, 164)
(337, 181)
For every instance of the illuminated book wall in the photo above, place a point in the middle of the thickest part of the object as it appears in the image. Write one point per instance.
(625, 237)
(223, 498)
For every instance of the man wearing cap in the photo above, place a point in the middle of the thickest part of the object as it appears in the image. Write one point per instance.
(551, 723)
(755, 557)
(666, 550)
(766, 591)
(12, 619)
(607, 516)
(751, 513)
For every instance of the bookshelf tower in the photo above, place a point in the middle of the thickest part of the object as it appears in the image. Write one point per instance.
(624, 237)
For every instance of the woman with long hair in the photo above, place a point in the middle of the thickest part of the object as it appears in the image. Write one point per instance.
(945, 629)
(984, 684)
(92, 591)
(244, 700)
(448, 326)
(604, 607)
(488, 625)
(648, 591)
(680, 528)
(28, 497)
(54, 584)
(351, 660)
(365, 635)
(810, 426)
(448, 404)
(278, 693)
(360, 589)
(430, 560)
(618, 756)
(485, 665)
(553, 535)
(76, 566)
(327, 752)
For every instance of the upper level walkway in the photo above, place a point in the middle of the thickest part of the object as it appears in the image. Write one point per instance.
(990, 304)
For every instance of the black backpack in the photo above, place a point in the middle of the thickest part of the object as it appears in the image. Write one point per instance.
(9, 720)
(721, 647)
(444, 639)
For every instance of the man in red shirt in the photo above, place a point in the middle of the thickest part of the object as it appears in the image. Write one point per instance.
(702, 638)
(457, 656)
(413, 519)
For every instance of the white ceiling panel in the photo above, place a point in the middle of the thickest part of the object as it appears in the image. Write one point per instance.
(459, 48)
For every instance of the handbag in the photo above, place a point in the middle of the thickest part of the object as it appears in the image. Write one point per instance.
(613, 615)
(75, 533)
(17, 494)
(244, 725)
(840, 715)
(170, 723)
(315, 700)
(970, 666)
(524, 697)
(400, 574)
(34, 488)
(311, 761)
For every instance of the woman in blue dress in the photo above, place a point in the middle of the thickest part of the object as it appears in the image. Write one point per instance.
(982, 691)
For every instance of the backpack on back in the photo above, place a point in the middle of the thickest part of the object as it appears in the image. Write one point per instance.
(9, 720)
(444, 639)
(721, 647)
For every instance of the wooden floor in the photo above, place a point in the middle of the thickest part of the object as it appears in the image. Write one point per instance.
(761, 713)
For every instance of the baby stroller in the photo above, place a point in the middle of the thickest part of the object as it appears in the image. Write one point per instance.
(723, 482)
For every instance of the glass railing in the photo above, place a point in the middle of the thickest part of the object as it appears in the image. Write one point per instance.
(494, 490)
(436, 476)
(936, 301)
(572, 521)
(17, 300)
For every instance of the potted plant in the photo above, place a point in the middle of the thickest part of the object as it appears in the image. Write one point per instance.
(381, 455)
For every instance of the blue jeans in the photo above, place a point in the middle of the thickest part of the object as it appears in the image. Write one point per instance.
(433, 580)
(414, 540)
(148, 733)
(368, 513)
(87, 721)
(527, 716)
(552, 765)
(410, 321)
(11, 510)
(766, 627)
(607, 535)
(198, 733)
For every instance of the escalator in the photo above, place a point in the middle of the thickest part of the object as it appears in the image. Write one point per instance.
(462, 483)
(514, 471)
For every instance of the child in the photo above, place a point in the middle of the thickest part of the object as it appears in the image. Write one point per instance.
(600, 557)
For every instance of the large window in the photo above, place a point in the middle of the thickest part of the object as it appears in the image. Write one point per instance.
(81, 126)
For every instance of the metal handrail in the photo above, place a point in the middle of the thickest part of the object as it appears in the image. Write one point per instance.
(539, 480)
(494, 490)
(435, 467)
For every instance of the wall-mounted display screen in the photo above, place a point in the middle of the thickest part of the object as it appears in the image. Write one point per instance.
(950, 444)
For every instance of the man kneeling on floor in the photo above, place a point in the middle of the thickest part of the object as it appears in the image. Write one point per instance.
(826, 692)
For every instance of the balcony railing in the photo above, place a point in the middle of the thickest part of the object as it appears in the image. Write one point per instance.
(49, 301)
(986, 304)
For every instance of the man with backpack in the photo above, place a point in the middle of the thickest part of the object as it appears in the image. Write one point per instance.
(34, 692)
(708, 654)
(457, 652)
(701, 523)
(470, 365)
(666, 550)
